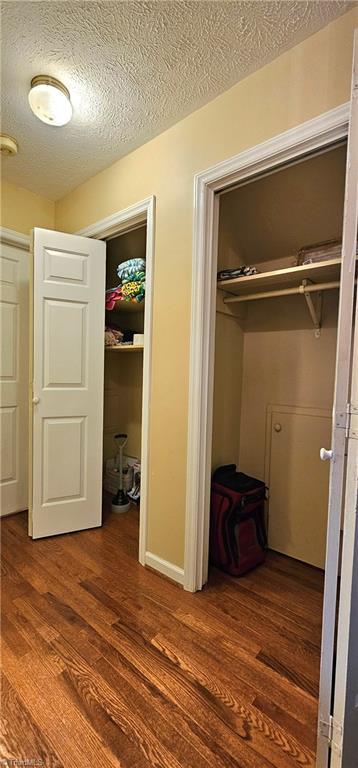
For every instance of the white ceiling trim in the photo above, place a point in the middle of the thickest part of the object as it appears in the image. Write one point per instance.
(10, 237)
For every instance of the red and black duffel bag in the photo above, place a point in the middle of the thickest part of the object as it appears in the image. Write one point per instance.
(238, 539)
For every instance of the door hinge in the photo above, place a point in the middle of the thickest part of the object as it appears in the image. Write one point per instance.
(333, 733)
(352, 425)
(344, 419)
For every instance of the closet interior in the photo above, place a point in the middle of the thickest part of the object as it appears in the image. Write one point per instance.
(123, 368)
(275, 342)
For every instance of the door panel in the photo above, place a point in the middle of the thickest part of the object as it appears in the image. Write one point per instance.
(65, 344)
(65, 448)
(14, 378)
(68, 312)
(298, 483)
(8, 429)
(345, 743)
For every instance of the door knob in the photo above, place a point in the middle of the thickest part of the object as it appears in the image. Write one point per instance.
(326, 455)
(277, 427)
(35, 400)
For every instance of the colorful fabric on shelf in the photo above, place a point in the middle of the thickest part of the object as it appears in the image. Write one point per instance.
(131, 270)
(112, 296)
(132, 286)
(130, 292)
(112, 336)
(242, 271)
(133, 291)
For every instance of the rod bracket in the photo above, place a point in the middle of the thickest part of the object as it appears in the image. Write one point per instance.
(315, 309)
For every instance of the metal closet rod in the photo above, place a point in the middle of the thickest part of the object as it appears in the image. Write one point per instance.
(301, 289)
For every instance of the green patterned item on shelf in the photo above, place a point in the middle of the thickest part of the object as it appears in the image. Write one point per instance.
(133, 269)
(133, 291)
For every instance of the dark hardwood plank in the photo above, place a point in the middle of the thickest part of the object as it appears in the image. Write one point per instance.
(21, 736)
(104, 658)
(55, 714)
(13, 637)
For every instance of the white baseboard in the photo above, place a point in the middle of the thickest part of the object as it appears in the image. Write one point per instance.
(163, 566)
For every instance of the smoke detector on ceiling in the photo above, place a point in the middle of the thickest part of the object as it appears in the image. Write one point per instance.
(8, 145)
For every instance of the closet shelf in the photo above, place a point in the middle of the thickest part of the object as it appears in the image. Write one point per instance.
(122, 307)
(125, 348)
(280, 279)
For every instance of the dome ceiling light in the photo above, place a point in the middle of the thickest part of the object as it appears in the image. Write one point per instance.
(50, 100)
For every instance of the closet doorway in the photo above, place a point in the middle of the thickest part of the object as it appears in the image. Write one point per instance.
(274, 367)
(268, 361)
(123, 369)
(70, 276)
(128, 234)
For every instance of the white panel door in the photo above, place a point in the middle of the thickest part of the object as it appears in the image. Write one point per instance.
(328, 744)
(345, 712)
(14, 378)
(68, 361)
(298, 483)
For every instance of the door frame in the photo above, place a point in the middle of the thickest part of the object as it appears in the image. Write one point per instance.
(21, 242)
(292, 145)
(17, 239)
(105, 229)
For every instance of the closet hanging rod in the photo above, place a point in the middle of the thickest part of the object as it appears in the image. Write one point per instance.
(300, 289)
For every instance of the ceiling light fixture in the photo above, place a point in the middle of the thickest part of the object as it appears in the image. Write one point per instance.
(50, 100)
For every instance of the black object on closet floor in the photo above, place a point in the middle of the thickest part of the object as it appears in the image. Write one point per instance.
(238, 538)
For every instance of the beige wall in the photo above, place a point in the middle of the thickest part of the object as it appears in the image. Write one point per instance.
(271, 218)
(268, 356)
(283, 364)
(123, 400)
(306, 81)
(21, 210)
(229, 341)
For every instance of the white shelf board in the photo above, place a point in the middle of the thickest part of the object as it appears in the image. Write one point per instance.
(125, 348)
(320, 272)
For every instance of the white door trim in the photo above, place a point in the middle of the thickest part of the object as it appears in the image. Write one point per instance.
(121, 221)
(10, 237)
(111, 226)
(293, 144)
(14, 386)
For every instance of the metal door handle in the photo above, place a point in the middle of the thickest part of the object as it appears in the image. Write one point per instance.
(35, 400)
(325, 454)
(277, 427)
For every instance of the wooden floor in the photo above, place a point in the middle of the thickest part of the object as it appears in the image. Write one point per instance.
(108, 664)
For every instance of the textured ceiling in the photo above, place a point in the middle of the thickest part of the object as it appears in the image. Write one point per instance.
(133, 69)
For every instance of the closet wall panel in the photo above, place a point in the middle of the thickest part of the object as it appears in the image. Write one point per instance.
(268, 220)
(298, 482)
(229, 339)
(284, 364)
(123, 401)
